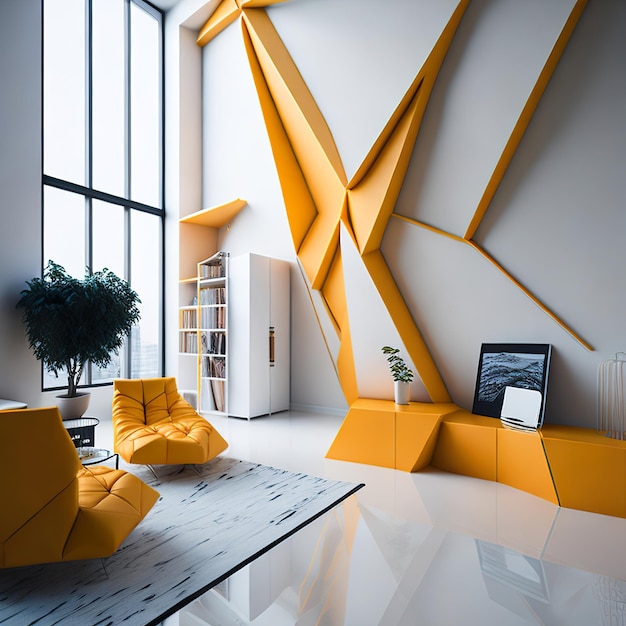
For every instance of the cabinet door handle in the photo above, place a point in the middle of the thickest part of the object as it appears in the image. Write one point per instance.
(272, 335)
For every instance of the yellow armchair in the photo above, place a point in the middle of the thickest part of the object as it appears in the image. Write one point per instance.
(54, 509)
(154, 425)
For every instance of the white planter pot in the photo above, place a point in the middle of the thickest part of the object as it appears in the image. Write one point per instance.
(73, 408)
(401, 391)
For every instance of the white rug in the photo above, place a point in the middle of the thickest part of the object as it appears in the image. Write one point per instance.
(203, 528)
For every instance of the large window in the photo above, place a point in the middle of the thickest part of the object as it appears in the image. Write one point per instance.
(103, 159)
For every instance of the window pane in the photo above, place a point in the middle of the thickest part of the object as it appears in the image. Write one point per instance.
(108, 237)
(108, 97)
(51, 381)
(146, 281)
(64, 89)
(110, 372)
(144, 103)
(108, 251)
(64, 243)
(64, 230)
(124, 145)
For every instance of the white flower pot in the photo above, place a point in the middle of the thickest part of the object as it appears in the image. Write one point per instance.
(73, 408)
(401, 391)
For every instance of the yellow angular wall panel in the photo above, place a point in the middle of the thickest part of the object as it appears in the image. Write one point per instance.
(467, 444)
(318, 249)
(286, 84)
(225, 14)
(259, 3)
(522, 464)
(300, 208)
(377, 182)
(345, 364)
(372, 200)
(334, 291)
(366, 435)
(589, 470)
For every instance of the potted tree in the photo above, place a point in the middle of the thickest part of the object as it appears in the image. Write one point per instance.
(401, 373)
(70, 322)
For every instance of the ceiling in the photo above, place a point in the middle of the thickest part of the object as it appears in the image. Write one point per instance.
(164, 5)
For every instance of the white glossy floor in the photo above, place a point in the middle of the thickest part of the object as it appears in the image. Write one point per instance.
(427, 549)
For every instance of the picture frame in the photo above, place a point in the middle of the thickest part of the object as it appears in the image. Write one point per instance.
(523, 366)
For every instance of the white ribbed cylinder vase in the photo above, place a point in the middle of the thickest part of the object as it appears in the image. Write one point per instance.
(612, 397)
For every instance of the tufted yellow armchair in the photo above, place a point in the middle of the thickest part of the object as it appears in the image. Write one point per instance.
(53, 508)
(154, 425)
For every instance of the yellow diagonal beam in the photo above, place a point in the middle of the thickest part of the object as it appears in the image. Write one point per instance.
(524, 119)
(501, 269)
(530, 295)
(406, 327)
(427, 75)
(299, 111)
(372, 201)
(310, 141)
(300, 207)
(375, 187)
(251, 4)
(225, 14)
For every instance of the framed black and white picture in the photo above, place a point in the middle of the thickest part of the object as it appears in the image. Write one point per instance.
(512, 382)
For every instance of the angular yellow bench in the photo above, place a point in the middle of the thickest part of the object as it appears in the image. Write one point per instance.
(573, 467)
(154, 425)
(53, 508)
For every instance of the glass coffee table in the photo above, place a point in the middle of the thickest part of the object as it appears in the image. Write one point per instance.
(89, 455)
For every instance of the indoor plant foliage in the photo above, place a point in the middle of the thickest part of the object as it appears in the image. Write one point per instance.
(70, 321)
(400, 372)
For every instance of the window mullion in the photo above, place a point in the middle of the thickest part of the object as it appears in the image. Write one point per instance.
(127, 169)
(87, 374)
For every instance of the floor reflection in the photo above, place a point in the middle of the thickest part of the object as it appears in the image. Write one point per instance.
(424, 549)
(356, 566)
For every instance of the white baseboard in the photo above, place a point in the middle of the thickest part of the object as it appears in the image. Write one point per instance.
(313, 408)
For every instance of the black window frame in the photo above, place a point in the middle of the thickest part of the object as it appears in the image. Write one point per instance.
(89, 193)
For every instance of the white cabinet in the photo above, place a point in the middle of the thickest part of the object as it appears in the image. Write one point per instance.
(238, 330)
(259, 335)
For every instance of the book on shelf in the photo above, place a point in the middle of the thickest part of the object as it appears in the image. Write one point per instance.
(189, 318)
(212, 395)
(214, 317)
(213, 366)
(188, 342)
(213, 342)
(212, 295)
(217, 389)
(213, 270)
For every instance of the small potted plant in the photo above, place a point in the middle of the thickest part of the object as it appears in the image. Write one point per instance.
(400, 372)
(70, 322)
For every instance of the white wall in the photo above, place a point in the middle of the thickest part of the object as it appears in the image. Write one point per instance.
(21, 201)
(562, 197)
(20, 198)
(20, 188)
(556, 223)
